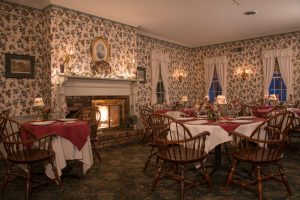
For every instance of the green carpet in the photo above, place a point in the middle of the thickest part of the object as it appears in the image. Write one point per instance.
(120, 176)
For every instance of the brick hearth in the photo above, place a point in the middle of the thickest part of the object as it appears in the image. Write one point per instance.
(117, 137)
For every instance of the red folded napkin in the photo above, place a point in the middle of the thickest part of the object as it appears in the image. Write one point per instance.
(77, 133)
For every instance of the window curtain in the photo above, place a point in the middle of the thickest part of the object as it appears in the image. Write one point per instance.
(159, 60)
(221, 65)
(284, 57)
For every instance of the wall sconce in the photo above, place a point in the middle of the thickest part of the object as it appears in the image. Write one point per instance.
(68, 57)
(66, 60)
(244, 73)
(179, 74)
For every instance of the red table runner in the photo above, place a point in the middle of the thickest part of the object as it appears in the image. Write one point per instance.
(77, 132)
(229, 126)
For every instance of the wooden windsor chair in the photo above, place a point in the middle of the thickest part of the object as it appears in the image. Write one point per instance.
(92, 116)
(274, 111)
(176, 146)
(27, 150)
(145, 112)
(264, 147)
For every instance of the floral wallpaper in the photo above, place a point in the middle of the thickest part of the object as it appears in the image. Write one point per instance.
(51, 33)
(180, 59)
(251, 58)
(74, 30)
(22, 32)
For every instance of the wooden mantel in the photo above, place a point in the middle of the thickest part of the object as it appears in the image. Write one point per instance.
(96, 86)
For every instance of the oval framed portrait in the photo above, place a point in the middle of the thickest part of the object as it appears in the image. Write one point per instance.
(100, 50)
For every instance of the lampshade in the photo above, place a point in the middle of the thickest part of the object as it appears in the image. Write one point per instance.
(272, 97)
(184, 99)
(221, 100)
(38, 102)
(206, 98)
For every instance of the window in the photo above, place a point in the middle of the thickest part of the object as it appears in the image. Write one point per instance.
(215, 88)
(277, 85)
(160, 90)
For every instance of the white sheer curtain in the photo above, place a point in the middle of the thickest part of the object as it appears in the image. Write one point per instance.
(221, 67)
(159, 60)
(165, 77)
(284, 57)
(268, 70)
(209, 73)
(286, 70)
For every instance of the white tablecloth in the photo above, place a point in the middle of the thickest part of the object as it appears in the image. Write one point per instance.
(217, 134)
(65, 150)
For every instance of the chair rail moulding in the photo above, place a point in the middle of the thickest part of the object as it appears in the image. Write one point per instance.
(95, 86)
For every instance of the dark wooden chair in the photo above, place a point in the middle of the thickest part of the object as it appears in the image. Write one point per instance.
(264, 147)
(4, 113)
(176, 146)
(27, 150)
(294, 130)
(158, 106)
(275, 110)
(145, 112)
(246, 110)
(92, 116)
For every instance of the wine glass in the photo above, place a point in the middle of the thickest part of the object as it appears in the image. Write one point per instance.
(229, 109)
(237, 109)
(216, 111)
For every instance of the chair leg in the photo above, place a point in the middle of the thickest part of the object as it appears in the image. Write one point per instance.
(28, 180)
(96, 151)
(57, 178)
(149, 158)
(259, 180)
(230, 174)
(206, 176)
(227, 153)
(157, 175)
(182, 183)
(6, 178)
(284, 179)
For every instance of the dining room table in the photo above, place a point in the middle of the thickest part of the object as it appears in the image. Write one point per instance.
(72, 142)
(219, 131)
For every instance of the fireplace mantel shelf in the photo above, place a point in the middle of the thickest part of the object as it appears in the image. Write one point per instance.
(70, 85)
(96, 78)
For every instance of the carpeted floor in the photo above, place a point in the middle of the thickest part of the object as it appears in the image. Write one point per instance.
(120, 177)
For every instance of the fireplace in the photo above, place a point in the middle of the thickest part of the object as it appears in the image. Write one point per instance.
(80, 92)
(114, 110)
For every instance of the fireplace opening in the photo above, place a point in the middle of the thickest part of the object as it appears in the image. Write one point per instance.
(114, 110)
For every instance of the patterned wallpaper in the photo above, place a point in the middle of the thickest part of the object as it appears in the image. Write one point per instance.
(74, 30)
(50, 33)
(22, 32)
(181, 59)
(251, 58)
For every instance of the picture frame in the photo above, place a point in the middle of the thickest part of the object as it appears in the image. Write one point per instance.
(141, 75)
(100, 50)
(19, 66)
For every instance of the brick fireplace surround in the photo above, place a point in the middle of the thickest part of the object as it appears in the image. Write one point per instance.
(78, 92)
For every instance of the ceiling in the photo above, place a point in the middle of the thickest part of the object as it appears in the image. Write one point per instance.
(192, 23)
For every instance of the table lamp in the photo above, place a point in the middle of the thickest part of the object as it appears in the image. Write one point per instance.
(184, 99)
(221, 100)
(38, 104)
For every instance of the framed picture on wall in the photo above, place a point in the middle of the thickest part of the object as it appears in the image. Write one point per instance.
(100, 50)
(141, 74)
(19, 66)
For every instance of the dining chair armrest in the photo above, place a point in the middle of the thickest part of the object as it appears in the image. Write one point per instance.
(43, 142)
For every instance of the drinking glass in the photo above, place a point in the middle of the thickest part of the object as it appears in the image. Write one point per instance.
(237, 109)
